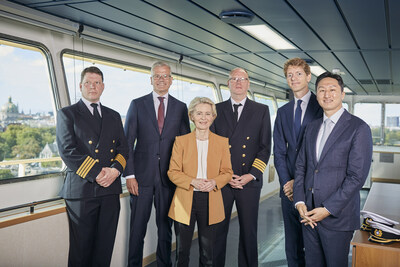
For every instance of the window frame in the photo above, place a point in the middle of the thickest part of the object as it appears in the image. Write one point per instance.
(54, 92)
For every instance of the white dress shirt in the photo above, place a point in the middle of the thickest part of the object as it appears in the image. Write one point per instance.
(202, 152)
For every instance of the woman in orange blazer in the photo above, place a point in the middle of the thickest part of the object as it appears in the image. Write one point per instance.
(200, 166)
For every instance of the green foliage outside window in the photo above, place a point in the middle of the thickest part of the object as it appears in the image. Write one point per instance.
(24, 142)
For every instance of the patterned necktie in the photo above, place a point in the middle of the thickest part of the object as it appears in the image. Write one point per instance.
(328, 123)
(161, 110)
(235, 111)
(96, 113)
(297, 118)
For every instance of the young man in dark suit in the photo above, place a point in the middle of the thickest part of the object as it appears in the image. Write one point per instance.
(290, 123)
(331, 168)
(153, 121)
(92, 144)
(247, 124)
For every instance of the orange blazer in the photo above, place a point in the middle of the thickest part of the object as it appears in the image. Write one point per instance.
(183, 168)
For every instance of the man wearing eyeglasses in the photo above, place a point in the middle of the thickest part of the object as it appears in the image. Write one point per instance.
(152, 121)
(247, 125)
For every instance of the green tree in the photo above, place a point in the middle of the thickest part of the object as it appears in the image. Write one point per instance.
(24, 142)
(5, 174)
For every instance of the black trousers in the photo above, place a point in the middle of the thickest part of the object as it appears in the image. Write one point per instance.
(141, 206)
(92, 228)
(206, 233)
(247, 203)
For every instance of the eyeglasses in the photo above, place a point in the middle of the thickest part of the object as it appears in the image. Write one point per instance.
(238, 79)
(164, 76)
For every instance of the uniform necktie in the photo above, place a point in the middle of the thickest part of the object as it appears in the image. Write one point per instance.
(297, 118)
(235, 111)
(328, 123)
(161, 110)
(96, 113)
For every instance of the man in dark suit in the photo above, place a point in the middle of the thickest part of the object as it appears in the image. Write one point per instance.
(153, 121)
(290, 123)
(247, 124)
(331, 169)
(92, 144)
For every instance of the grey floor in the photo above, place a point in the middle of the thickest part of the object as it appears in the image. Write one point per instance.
(271, 239)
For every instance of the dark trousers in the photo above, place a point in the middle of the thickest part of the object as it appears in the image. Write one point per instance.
(247, 203)
(326, 248)
(294, 246)
(140, 215)
(92, 229)
(206, 233)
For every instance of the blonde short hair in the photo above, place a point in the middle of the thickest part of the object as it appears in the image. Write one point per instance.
(296, 62)
(201, 100)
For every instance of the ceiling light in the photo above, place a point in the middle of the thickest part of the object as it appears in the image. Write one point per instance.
(347, 90)
(268, 36)
(317, 70)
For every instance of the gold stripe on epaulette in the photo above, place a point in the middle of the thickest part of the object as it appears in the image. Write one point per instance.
(259, 164)
(121, 160)
(85, 167)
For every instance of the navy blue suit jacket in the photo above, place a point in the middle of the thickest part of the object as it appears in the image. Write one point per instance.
(286, 146)
(340, 173)
(152, 151)
(249, 139)
(86, 152)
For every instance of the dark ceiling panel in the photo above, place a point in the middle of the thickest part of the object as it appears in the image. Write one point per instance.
(396, 67)
(367, 22)
(275, 58)
(379, 64)
(114, 20)
(325, 19)
(354, 63)
(124, 31)
(394, 19)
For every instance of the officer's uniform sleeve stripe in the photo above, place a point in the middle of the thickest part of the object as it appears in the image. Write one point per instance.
(121, 160)
(85, 167)
(259, 164)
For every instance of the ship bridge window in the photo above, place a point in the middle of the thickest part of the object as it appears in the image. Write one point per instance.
(392, 125)
(371, 113)
(27, 125)
(270, 102)
(281, 102)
